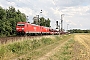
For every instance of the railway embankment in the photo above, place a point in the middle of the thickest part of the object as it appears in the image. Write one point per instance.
(28, 48)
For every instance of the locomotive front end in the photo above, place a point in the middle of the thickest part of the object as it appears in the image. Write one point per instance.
(20, 28)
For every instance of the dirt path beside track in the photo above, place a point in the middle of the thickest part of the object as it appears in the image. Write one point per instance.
(52, 52)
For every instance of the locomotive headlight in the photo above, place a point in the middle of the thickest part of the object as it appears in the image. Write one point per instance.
(22, 28)
(17, 28)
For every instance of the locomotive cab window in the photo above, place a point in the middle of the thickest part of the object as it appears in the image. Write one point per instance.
(20, 24)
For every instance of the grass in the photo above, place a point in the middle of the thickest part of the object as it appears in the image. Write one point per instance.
(65, 53)
(31, 48)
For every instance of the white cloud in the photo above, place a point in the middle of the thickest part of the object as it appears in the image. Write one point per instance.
(77, 13)
(27, 11)
(45, 13)
(1, 5)
(70, 22)
(81, 25)
(81, 10)
(55, 11)
(11, 3)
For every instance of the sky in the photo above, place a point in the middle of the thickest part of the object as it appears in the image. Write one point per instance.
(75, 13)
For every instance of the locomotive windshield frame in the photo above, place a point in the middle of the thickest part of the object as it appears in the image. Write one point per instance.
(20, 24)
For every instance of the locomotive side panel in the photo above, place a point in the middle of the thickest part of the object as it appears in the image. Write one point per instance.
(27, 28)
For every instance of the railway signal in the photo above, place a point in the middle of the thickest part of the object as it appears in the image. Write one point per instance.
(56, 24)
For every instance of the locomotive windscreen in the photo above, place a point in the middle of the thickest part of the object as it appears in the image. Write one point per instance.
(20, 24)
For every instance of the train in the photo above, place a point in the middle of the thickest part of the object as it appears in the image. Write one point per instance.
(25, 28)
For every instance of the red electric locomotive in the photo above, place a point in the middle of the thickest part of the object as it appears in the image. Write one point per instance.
(23, 28)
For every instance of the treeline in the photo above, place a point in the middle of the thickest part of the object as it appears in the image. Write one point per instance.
(79, 31)
(41, 21)
(44, 22)
(8, 19)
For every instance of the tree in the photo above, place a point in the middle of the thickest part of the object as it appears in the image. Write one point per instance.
(44, 22)
(48, 22)
(2, 22)
(2, 14)
(9, 19)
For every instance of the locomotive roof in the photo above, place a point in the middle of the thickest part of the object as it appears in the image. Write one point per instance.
(21, 22)
(31, 24)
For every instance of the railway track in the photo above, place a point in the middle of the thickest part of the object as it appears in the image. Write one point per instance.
(4, 40)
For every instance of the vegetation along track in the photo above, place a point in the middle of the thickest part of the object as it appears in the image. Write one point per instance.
(32, 49)
(4, 40)
(53, 51)
(47, 51)
(65, 47)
